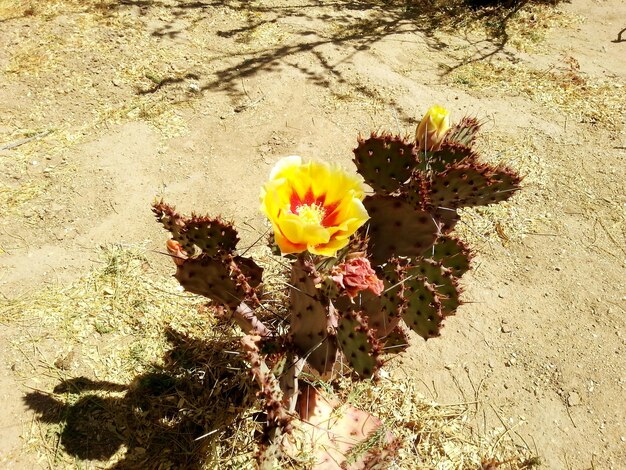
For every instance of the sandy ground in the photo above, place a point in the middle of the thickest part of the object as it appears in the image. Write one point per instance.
(196, 101)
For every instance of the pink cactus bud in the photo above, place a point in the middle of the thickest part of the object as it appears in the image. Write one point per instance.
(356, 275)
(176, 250)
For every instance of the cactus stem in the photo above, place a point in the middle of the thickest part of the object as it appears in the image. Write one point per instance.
(289, 380)
(248, 321)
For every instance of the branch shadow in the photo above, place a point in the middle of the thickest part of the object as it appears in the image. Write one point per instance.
(357, 25)
(173, 416)
(619, 36)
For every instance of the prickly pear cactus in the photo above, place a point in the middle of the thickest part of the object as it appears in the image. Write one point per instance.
(412, 218)
(206, 261)
(365, 270)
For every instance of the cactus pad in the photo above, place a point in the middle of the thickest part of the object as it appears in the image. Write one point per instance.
(396, 341)
(210, 236)
(442, 280)
(358, 343)
(277, 415)
(470, 184)
(397, 228)
(340, 436)
(227, 280)
(464, 132)
(450, 153)
(422, 313)
(385, 161)
(452, 253)
(311, 322)
(382, 312)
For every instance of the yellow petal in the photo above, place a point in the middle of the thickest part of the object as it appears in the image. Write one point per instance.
(287, 247)
(285, 166)
(296, 231)
(329, 249)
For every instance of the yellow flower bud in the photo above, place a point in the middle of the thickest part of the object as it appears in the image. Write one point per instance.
(433, 128)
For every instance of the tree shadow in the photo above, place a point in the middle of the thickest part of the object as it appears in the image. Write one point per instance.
(357, 25)
(171, 417)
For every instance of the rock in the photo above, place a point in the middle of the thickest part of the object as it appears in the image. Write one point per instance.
(65, 363)
(573, 399)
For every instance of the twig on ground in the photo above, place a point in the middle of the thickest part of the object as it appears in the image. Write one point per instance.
(17, 143)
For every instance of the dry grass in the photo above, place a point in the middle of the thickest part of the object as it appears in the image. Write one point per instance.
(127, 370)
(562, 89)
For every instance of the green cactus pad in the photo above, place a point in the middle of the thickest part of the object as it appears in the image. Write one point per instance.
(381, 312)
(385, 161)
(450, 153)
(446, 219)
(422, 312)
(210, 236)
(172, 221)
(228, 280)
(357, 342)
(417, 191)
(471, 184)
(393, 299)
(397, 228)
(464, 132)
(441, 279)
(311, 325)
(452, 253)
(396, 341)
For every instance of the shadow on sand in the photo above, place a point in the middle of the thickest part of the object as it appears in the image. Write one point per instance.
(175, 416)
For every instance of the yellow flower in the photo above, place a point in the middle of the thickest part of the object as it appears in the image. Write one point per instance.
(312, 206)
(432, 129)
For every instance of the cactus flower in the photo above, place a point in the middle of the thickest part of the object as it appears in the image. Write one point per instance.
(312, 206)
(432, 129)
(356, 275)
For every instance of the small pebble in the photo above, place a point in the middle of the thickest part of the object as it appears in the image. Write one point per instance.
(573, 399)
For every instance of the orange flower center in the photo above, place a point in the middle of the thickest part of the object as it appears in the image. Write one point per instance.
(313, 210)
(313, 214)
